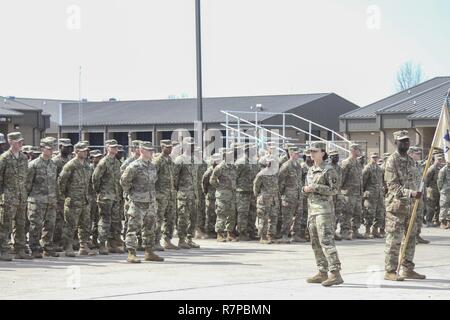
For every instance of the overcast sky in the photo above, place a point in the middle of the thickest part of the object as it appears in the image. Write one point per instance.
(145, 49)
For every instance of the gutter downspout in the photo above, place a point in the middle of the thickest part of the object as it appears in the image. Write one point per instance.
(384, 135)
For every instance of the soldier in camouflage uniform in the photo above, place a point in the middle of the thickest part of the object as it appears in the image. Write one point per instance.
(42, 192)
(350, 204)
(246, 170)
(290, 187)
(106, 183)
(321, 186)
(95, 157)
(185, 177)
(443, 184)
(210, 196)
(223, 179)
(75, 186)
(165, 218)
(64, 156)
(373, 196)
(138, 183)
(13, 173)
(382, 222)
(401, 181)
(200, 233)
(266, 191)
(334, 162)
(432, 190)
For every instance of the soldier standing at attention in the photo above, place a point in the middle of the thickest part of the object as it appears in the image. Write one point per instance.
(334, 157)
(443, 184)
(373, 197)
(201, 167)
(210, 196)
(402, 192)
(432, 190)
(106, 183)
(138, 183)
(301, 233)
(13, 173)
(75, 186)
(321, 186)
(95, 157)
(166, 203)
(290, 185)
(42, 194)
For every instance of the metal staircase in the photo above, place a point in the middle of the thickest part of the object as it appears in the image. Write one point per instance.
(239, 128)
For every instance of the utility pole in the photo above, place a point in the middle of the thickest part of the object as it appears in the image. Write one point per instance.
(198, 31)
(80, 109)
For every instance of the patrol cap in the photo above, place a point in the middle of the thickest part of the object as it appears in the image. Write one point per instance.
(15, 136)
(188, 140)
(47, 143)
(355, 146)
(361, 157)
(2, 138)
(81, 146)
(415, 149)
(294, 149)
(147, 145)
(307, 152)
(175, 143)
(333, 153)
(120, 147)
(288, 145)
(380, 161)
(86, 142)
(374, 155)
(95, 153)
(65, 142)
(264, 161)
(317, 146)
(111, 143)
(26, 148)
(386, 155)
(135, 143)
(166, 143)
(401, 135)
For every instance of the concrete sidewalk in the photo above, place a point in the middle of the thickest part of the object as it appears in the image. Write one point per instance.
(242, 270)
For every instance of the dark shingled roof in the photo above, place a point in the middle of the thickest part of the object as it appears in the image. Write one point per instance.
(423, 101)
(174, 111)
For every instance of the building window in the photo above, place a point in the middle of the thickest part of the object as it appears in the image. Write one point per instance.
(121, 137)
(96, 139)
(144, 136)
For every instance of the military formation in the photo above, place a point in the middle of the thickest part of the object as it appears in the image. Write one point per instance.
(78, 199)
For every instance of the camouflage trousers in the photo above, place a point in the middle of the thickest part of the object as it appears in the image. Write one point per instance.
(94, 219)
(396, 228)
(300, 223)
(59, 222)
(432, 205)
(225, 211)
(201, 211)
(267, 210)
(110, 220)
(291, 205)
(246, 213)
(444, 204)
(141, 218)
(420, 214)
(373, 210)
(12, 218)
(165, 216)
(187, 214)
(349, 210)
(42, 218)
(210, 207)
(321, 231)
(76, 217)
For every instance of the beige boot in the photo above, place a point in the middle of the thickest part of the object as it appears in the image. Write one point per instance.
(393, 276)
(318, 278)
(132, 258)
(411, 274)
(192, 244)
(151, 256)
(368, 235)
(221, 237)
(182, 244)
(231, 237)
(168, 245)
(102, 250)
(334, 278)
(85, 251)
(22, 255)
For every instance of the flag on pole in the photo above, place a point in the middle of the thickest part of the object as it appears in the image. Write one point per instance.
(442, 135)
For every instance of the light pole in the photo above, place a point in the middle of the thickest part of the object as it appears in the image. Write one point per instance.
(198, 32)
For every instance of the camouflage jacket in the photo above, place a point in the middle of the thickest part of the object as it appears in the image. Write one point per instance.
(126, 163)
(60, 162)
(13, 174)
(207, 188)
(338, 170)
(323, 180)
(185, 174)
(106, 179)
(201, 168)
(165, 169)
(432, 176)
(223, 177)
(75, 180)
(351, 183)
(138, 181)
(372, 180)
(290, 178)
(443, 181)
(266, 184)
(42, 181)
(400, 177)
(245, 174)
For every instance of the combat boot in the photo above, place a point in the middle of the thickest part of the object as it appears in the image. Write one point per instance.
(263, 240)
(199, 234)
(346, 235)
(375, 233)
(182, 244)
(271, 240)
(244, 237)
(151, 256)
(115, 246)
(36, 254)
(5, 256)
(443, 224)
(368, 234)
(94, 243)
(221, 237)
(393, 276)
(158, 246)
(231, 237)
(168, 245)
(382, 233)
(334, 278)
(85, 251)
(132, 256)
(285, 239)
(22, 255)
(318, 278)
(102, 250)
(297, 238)
(192, 244)
(357, 235)
(337, 237)
(68, 251)
(50, 253)
(307, 237)
(422, 240)
(411, 274)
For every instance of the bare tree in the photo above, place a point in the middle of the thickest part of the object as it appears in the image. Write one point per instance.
(409, 75)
